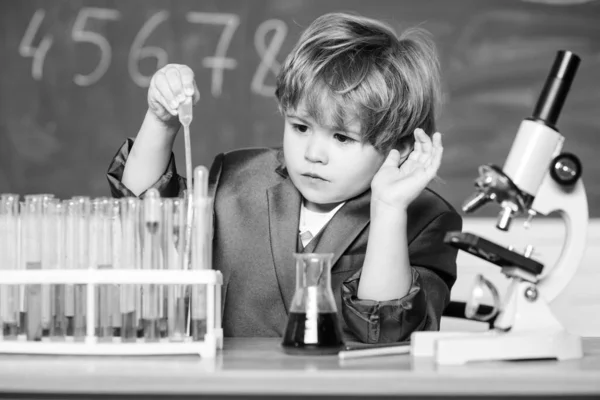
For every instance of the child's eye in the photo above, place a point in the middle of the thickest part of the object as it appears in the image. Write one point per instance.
(343, 138)
(300, 128)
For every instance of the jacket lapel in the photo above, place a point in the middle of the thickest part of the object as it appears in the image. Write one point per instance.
(345, 226)
(284, 214)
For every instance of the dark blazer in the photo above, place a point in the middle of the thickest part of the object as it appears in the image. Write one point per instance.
(256, 220)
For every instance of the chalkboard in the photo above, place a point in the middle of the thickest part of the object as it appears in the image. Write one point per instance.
(73, 79)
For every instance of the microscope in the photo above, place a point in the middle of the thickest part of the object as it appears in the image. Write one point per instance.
(537, 179)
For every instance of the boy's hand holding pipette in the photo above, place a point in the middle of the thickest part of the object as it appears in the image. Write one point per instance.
(398, 182)
(169, 88)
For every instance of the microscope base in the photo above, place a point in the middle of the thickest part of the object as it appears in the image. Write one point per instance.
(455, 348)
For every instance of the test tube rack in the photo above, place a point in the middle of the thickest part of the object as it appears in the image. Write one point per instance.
(207, 348)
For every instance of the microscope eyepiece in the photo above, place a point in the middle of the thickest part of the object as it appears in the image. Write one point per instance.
(556, 88)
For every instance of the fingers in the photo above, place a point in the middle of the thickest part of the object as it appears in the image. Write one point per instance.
(174, 80)
(187, 81)
(165, 96)
(427, 152)
(392, 159)
(171, 85)
(155, 97)
(423, 141)
(422, 149)
(196, 93)
(436, 156)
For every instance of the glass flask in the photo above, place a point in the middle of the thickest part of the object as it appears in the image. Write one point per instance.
(313, 327)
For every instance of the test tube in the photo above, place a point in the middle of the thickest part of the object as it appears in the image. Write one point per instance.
(9, 253)
(21, 265)
(174, 221)
(82, 261)
(201, 249)
(117, 243)
(32, 237)
(163, 325)
(55, 259)
(48, 246)
(70, 208)
(151, 251)
(130, 259)
(101, 258)
(71, 216)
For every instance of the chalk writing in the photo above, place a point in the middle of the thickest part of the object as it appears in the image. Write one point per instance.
(268, 54)
(139, 52)
(38, 53)
(219, 62)
(79, 34)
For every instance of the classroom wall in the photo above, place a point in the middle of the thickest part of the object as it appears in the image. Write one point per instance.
(74, 77)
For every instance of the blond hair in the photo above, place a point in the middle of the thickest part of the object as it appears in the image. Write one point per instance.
(359, 67)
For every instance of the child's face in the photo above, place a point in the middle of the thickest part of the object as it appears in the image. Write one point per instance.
(328, 165)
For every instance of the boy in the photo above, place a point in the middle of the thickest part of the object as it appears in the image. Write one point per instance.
(350, 180)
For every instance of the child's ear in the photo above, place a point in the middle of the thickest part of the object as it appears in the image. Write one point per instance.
(405, 150)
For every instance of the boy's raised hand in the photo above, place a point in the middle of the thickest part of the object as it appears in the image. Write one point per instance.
(397, 187)
(169, 87)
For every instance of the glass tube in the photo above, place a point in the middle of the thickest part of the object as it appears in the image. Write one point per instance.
(174, 220)
(9, 254)
(151, 251)
(21, 265)
(201, 249)
(116, 240)
(71, 221)
(130, 259)
(82, 261)
(48, 246)
(55, 259)
(32, 237)
(101, 258)
(163, 326)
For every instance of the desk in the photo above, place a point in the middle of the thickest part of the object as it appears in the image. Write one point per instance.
(259, 367)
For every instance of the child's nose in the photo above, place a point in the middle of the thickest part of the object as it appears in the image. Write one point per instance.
(316, 150)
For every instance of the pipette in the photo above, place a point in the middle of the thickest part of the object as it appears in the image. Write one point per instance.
(185, 114)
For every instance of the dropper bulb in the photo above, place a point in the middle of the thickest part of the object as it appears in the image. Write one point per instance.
(185, 112)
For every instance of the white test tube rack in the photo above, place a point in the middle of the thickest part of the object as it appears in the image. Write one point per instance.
(213, 339)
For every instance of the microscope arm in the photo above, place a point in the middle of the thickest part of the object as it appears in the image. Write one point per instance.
(571, 204)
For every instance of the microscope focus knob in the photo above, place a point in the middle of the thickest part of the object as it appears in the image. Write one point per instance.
(566, 169)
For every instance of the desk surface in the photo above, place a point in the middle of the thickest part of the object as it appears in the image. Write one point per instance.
(258, 366)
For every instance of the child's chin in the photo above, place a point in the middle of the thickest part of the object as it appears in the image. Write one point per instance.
(321, 200)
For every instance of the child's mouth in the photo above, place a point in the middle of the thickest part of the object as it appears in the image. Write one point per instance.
(314, 177)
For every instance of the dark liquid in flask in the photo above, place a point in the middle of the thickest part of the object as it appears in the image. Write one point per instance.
(329, 336)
